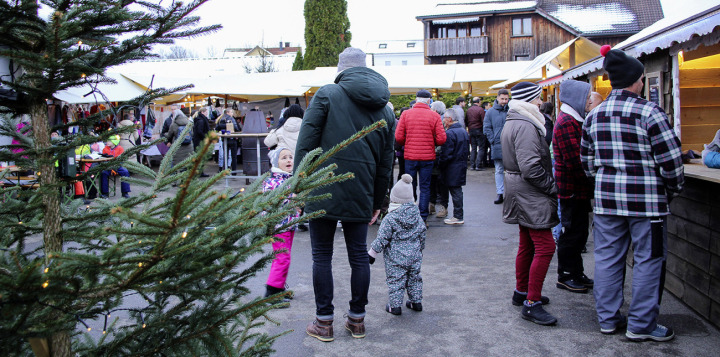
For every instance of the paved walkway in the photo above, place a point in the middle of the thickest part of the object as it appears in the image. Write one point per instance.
(469, 274)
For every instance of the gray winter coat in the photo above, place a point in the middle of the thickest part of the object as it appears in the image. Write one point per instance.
(401, 237)
(493, 127)
(530, 191)
(185, 150)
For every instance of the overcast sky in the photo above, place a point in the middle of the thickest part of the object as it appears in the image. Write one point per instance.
(248, 23)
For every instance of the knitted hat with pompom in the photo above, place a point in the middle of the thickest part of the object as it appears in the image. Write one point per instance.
(402, 192)
(622, 69)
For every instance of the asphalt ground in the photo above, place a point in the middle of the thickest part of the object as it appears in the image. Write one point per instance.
(469, 276)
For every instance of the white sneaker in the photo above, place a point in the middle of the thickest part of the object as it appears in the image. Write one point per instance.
(454, 221)
(441, 212)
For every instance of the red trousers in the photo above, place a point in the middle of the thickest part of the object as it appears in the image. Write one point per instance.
(533, 259)
(281, 263)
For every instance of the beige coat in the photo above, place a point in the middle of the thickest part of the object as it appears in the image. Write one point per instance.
(128, 140)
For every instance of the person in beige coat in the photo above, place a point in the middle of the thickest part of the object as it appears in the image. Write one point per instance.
(128, 140)
(288, 129)
(530, 198)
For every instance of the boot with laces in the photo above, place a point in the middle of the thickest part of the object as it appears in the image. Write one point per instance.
(321, 329)
(356, 326)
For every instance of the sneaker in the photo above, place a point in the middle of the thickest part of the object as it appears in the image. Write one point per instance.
(519, 298)
(393, 310)
(104, 196)
(572, 286)
(660, 334)
(537, 314)
(126, 195)
(356, 326)
(431, 208)
(417, 306)
(585, 281)
(612, 330)
(441, 212)
(454, 221)
(320, 329)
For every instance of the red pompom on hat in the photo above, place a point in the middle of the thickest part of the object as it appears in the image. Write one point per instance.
(605, 49)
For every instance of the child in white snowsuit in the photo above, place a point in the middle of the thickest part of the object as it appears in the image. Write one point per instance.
(401, 239)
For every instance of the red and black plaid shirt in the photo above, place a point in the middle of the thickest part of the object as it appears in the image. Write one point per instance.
(569, 174)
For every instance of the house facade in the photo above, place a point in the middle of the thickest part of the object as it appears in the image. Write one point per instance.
(395, 52)
(520, 30)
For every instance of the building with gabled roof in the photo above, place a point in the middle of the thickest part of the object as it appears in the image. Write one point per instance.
(520, 30)
(395, 52)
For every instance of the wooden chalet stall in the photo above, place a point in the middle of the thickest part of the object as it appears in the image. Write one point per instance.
(681, 55)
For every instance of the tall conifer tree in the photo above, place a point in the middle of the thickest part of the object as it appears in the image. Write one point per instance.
(154, 277)
(327, 32)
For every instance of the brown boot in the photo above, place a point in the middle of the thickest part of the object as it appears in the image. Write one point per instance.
(322, 330)
(356, 326)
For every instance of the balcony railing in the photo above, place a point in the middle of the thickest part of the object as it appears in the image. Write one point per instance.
(456, 46)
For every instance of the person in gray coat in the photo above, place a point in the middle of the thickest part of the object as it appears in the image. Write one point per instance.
(180, 121)
(492, 128)
(531, 198)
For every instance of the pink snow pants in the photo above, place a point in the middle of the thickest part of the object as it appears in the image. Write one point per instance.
(281, 263)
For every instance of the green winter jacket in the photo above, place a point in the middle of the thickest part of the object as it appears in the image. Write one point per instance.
(337, 111)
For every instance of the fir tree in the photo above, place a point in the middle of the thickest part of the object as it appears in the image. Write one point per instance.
(298, 62)
(64, 265)
(327, 32)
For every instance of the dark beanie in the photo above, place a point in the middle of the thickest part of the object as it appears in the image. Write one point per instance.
(622, 69)
(423, 94)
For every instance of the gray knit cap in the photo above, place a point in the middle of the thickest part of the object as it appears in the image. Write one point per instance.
(402, 192)
(351, 57)
(274, 156)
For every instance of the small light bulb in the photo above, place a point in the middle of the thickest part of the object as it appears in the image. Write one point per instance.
(242, 189)
(143, 325)
(108, 315)
(89, 329)
(45, 284)
(132, 224)
(188, 216)
(184, 234)
(79, 43)
(46, 269)
(104, 332)
(140, 265)
(82, 75)
(20, 222)
(160, 281)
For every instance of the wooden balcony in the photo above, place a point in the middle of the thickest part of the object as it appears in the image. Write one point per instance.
(456, 46)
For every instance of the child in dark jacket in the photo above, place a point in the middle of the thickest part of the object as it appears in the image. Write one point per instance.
(453, 165)
(401, 239)
(282, 166)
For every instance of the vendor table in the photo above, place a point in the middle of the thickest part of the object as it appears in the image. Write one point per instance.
(233, 174)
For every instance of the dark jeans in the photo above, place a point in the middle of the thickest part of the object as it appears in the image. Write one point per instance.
(457, 199)
(570, 244)
(443, 195)
(232, 148)
(401, 167)
(478, 145)
(105, 177)
(423, 169)
(322, 236)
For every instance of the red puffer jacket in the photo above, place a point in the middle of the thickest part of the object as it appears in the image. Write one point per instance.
(420, 130)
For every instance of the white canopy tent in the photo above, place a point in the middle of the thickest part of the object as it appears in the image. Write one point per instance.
(122, 91)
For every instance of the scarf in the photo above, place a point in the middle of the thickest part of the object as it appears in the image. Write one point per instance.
(530, 111)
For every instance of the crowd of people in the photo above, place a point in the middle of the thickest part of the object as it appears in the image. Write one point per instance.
(617, 157)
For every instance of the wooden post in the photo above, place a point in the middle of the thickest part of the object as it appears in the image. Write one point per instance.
(307, 101)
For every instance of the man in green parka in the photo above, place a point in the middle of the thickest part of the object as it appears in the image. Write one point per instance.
(357, 99)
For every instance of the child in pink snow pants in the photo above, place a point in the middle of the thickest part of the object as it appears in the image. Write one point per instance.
(282, 166)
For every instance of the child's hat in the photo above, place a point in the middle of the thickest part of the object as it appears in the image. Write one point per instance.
(115, 140)
(402, 192)
(274, 156)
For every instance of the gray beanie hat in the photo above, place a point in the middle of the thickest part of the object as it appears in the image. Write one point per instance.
(402, 192)
(351, 57)
(274, 156)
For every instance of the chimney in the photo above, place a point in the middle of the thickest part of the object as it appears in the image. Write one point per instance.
(281, 45)
(287, 44)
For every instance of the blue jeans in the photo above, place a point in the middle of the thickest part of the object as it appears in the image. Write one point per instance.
(424, 170)
(105, 176)
(499, 177)
(322, 236)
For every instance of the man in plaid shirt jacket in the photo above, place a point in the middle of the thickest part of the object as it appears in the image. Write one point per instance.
(634, 155)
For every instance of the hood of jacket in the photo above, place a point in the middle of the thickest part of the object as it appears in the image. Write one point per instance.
(575, 94)
(292, 124)
(364, 86)
(181, 120)
(408, 216)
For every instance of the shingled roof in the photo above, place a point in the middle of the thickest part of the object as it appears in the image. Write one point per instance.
(586, 17)
(604, 17)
